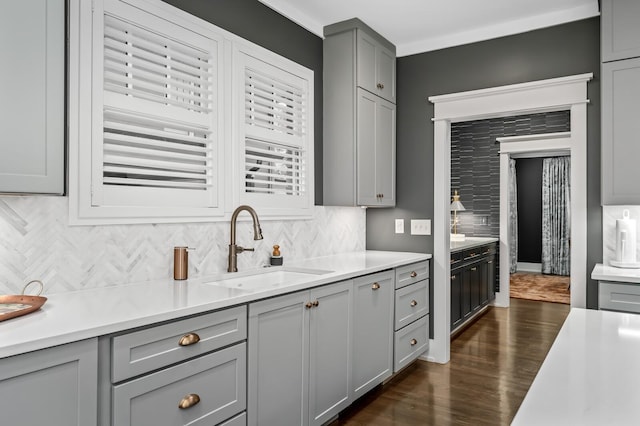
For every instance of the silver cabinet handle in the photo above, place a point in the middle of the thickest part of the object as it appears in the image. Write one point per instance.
(375, 286)
(413, 303)
(413, 342)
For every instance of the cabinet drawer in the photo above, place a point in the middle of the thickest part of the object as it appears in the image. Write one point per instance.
(410, 274)
(411, 342)
(218, 379)
(146, 350)
(412, 302)
(456, 259)
(239, 420)
(619, 296)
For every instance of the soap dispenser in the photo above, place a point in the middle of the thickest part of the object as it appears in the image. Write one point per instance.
(276, 257)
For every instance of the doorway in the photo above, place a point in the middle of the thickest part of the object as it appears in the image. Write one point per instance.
(552, 230)
(539, 96)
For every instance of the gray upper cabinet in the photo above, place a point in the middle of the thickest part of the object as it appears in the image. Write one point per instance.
(620, 29)
(54, 387)
(376, 65)
(620, 130)
(359, 117)
(32, 47)
(620, 92)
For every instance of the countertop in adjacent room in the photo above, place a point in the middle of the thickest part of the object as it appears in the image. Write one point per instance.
(611, 273)
(591, 375)
(470, 242)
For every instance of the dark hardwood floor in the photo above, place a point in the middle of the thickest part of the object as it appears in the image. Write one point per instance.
(493, 363)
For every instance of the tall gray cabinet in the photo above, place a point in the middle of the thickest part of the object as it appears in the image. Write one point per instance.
(32, 47)
(359, 116)
(620, 93)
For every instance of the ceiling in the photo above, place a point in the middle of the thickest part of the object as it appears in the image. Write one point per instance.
(416, 26)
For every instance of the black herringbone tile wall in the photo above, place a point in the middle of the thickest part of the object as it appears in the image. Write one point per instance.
(475, 165)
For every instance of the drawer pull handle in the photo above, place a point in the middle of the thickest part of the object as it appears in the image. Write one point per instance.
(490, 262)
(413, 342)
(413, 303)
(189, 401)
(308, 305)
(380, 86)
(315, 303)
(474, 269)
(189, 339)
(414, 274)
(453, 277)
(375, 286)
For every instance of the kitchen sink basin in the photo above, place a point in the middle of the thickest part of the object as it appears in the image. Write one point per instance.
(268, 278)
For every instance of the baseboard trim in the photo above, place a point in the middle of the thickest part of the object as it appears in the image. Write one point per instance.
(529, 267)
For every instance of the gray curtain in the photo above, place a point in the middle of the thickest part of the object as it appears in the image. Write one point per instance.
(556, 214)
(513, 217)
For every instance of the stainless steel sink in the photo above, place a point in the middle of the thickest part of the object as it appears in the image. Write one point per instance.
(267, 278)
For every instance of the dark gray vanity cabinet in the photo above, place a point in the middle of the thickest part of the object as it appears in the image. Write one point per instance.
(473, 275)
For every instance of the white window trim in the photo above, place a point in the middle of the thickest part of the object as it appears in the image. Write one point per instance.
(81, 127)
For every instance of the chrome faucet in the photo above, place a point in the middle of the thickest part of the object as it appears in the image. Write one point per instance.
(234, 249)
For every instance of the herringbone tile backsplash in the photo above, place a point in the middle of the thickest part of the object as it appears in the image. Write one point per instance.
(36, 242)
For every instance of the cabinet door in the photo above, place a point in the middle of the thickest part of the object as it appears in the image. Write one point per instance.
(491, 280)
(386, 153)
(372, 331)
(465, 298)
(278, 368)
(483, 287)
(376, 67)
(475, 278)
(32, 47)
(54, 387)
(456, 299)
(620, 29)
(620, 130)
(376, 150)
(329, 351)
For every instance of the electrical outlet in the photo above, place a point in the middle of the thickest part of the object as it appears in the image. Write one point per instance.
(399, 226)
(420, 226)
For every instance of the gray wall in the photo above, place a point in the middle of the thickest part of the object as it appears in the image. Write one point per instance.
(558, 51)
(257, 23)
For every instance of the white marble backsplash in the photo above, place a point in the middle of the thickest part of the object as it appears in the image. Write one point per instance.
(609, 216)
(36, 242)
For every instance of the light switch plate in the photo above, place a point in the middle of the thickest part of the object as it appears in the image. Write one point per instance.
(420, 226)
(399, 226)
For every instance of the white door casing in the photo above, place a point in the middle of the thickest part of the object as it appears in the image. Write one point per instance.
(563, 93)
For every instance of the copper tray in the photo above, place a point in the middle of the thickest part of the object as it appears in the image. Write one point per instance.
(17, 305)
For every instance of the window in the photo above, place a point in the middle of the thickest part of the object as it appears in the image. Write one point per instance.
(274, 140)
(155, 116)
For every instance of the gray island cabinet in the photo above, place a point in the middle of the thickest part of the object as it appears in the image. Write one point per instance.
(359, 116)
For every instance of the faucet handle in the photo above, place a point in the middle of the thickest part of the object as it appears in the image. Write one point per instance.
(240, 249)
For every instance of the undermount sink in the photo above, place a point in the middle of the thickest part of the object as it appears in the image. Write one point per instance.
(267, 278)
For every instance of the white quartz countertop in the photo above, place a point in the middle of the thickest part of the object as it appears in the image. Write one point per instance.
(611, 273)
(591, 375)
(78, 315)
(470, 242)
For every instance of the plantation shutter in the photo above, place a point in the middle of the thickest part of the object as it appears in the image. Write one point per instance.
(275, 154)
(157, 143)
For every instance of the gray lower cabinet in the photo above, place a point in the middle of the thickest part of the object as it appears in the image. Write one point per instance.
(372, 331)
(204, 391)
(619, 296)
(300, 356)
(191, 371)
(32, 106)
(55, 386)
(411, 325)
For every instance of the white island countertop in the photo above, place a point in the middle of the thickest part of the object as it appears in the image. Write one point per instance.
(591, 375)
(470, 242)
(78, 315)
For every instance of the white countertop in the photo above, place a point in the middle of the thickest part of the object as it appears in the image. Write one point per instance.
(470, 242)
(591, 375)
(72, 316)
(611, 273)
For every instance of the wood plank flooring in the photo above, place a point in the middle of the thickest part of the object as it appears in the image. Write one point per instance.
(492, 366)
